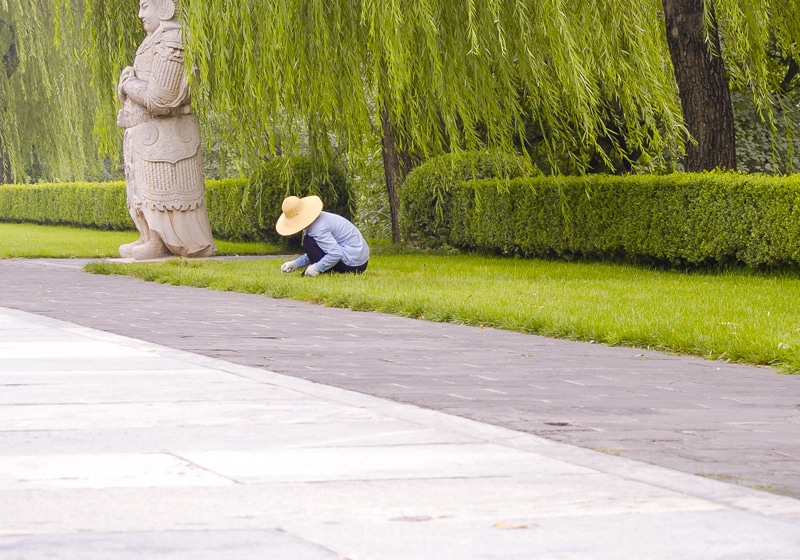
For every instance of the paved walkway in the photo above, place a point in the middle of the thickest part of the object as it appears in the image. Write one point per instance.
(113, 447)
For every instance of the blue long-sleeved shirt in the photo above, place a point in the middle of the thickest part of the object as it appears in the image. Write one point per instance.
(339, 239)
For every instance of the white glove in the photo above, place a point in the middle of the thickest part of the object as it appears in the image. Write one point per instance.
(288, 266)
(311, 271)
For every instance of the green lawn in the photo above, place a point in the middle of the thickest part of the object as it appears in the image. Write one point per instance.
(740, 316)
(737, 315)
(30, 241)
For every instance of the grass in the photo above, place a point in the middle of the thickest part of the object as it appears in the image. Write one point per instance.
(736, 315)
(37, 241)
(739, 316)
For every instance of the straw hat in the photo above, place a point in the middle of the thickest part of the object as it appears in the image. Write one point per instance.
(298, 214)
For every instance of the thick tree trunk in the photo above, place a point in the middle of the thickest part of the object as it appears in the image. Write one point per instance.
(703, 86)
(10, 61)
(792, 70)
(396, 165)
(5, 166)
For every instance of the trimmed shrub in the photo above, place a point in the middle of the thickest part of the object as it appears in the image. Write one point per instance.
(98, 205)
(238, 209)
(226, 212)
(425, 199)
(299, 176)
(679, 219)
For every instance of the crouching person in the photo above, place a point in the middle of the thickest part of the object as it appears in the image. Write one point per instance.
(331, 243)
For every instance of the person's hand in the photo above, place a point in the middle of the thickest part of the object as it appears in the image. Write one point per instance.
(288, 266)
(312, 270)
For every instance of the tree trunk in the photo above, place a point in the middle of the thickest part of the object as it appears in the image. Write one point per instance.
(792, 71)
(10, 63)
(5, 166)
(396, 165)
(702, 84)
(11, 60)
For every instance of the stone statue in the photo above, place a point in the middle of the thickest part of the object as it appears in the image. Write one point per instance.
(163, 162)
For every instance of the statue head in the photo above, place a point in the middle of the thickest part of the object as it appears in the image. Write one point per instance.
(153, 12)
(166, 9)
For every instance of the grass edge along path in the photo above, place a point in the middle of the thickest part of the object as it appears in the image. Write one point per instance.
(739, 316)
(59, 241)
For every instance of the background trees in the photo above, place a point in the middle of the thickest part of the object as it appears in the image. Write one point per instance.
(578, 84)
(10, 58)
(429, 66)
(46, 102)
(758, 53)
(437, 75)
(694, 46)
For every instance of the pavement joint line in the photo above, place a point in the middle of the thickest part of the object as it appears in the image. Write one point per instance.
(717, 491)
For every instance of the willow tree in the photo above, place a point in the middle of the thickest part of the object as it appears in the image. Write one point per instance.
(10, 58)
(46, 102)
(754, 33)
(760, 45)
(694, 44)
(428, 76)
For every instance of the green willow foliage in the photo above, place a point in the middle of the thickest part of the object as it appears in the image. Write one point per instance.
(757, 35)
(46, 100)
(112, 31)
(594, 76)
(451, 74)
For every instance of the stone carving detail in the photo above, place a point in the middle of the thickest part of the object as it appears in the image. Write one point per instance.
(163, 162)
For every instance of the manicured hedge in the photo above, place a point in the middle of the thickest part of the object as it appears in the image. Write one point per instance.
(679, 219)
(99, 205)
(426, 206)
(279, 178)
(229, 218)
(239, 209)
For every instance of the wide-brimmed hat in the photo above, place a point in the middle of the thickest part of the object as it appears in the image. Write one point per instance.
(298, 214)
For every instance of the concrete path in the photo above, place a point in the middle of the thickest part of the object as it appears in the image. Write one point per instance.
(230, 439)
(734, 423)
(116, 448)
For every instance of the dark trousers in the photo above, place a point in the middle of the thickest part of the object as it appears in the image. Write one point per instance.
(315, 255)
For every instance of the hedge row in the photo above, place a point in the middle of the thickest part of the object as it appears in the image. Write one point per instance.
(426, 206)
(239, 209)
(273, 181)
(679, 219)
(100, 205)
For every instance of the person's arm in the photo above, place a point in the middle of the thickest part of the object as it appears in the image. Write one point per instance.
(333, 251)
(299, 262)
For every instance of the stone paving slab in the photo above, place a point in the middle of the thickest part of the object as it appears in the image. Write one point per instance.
(732, 422)
(210, 459)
